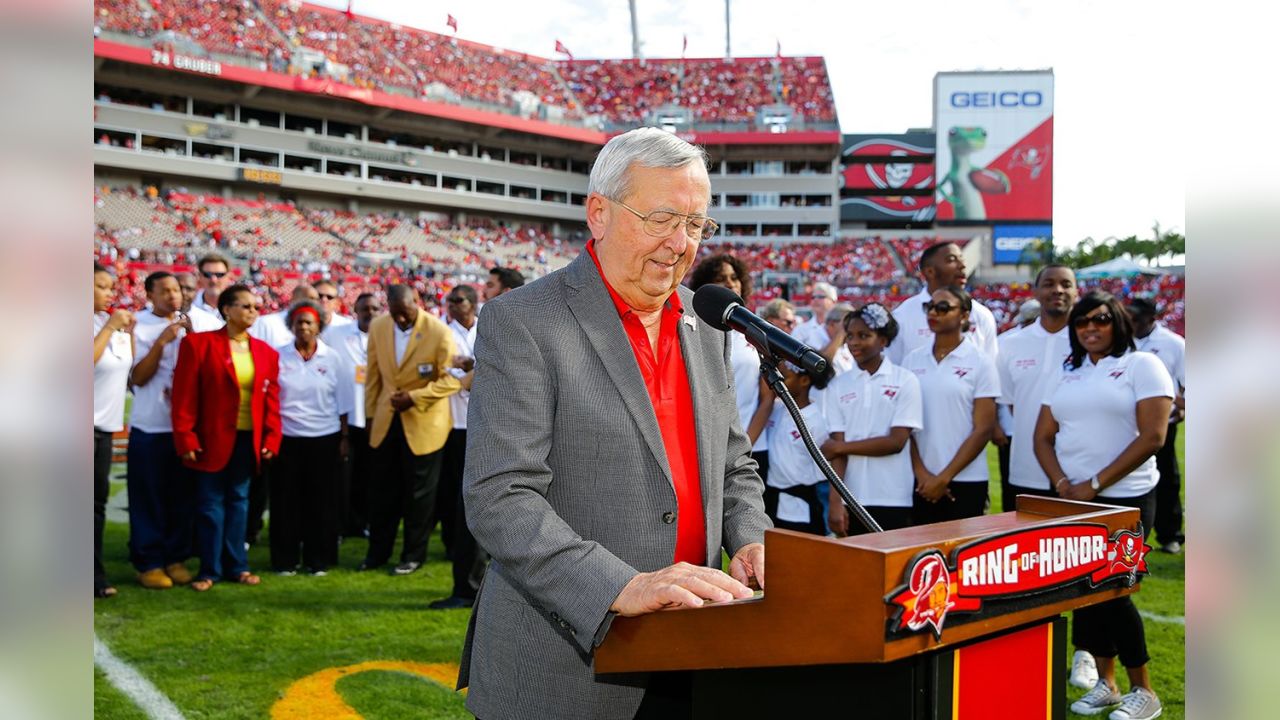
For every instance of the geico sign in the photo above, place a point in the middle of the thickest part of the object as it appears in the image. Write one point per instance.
(1015, 243)
(1001, 99)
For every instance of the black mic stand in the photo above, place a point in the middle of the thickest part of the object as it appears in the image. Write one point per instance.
(772, 377)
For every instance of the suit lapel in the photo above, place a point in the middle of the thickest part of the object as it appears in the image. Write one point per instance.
(699, 389)
(222, 347)
(589, 301)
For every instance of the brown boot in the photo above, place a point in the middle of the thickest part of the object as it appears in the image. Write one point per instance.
(178, 573)
(155, 579)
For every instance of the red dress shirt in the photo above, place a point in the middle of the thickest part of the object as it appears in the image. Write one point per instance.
(668, 384)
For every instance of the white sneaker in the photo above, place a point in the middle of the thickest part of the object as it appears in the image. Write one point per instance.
(1137, 704)
(1101, 697)
(1084, 671)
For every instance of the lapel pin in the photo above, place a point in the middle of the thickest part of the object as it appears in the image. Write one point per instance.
(688, 320)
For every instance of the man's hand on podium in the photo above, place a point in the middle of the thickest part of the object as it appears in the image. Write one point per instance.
(748, 565)
(680, 584)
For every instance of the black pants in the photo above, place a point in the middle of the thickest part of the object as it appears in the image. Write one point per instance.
(304, 503)
(807, 493)
(970, 501)
(889, 518)
(1007, 490)
(669, 696)
(355, 483)
(1114, 627)
(403, 487)
(101, 491)
(259, 491)
(1168, 522)
(762, 459)
(469, 559)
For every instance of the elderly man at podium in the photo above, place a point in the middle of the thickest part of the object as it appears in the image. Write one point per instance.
(606, 464)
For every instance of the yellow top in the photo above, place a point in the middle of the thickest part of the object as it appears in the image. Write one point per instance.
(243, 360)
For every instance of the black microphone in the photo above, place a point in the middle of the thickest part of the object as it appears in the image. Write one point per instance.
(723, 309)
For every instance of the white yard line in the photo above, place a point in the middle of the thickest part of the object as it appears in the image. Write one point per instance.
(129, 681)
(1170, 619)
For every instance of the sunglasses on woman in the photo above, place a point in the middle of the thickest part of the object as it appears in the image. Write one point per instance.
(942, 308)
(1099, 320)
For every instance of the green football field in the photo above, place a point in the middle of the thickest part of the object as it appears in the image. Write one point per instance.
(304, 647)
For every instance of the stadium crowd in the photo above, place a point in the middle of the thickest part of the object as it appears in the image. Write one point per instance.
(373, 54)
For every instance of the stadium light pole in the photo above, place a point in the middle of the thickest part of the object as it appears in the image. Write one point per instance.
(635, 31)
(727, 52)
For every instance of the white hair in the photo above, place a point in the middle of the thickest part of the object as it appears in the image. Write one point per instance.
(647, 147)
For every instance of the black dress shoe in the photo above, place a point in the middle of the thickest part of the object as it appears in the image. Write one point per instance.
(406, 568)
(452, 602)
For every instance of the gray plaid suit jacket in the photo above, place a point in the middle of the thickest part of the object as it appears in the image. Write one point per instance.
(567, 483)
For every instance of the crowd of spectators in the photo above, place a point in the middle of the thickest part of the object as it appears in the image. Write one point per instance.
(374, 54)
(715, 90)
(138, 230)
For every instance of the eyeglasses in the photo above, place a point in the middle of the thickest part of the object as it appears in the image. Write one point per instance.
(661, 223)
(942, 308)
(213, 275)
(247, 306)
(324, 296)
(1099, 320)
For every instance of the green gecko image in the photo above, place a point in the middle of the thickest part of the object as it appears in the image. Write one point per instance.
(964, 185)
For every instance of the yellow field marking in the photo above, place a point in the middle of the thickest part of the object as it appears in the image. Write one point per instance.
(315, 697)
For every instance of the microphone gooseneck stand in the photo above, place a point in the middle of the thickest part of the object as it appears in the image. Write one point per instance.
(769, 371)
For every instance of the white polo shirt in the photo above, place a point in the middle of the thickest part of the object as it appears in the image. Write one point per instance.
(200, 305)
(812, 332)
(949, 389)
(111, 377)
(1171, 348)
(1027, 363)
(353, 346)
(337, 323)
(861, 406)
(745, 363)
(466, 341)
(272, 329)
(914, 332)
(1004, 418)
(313, 393)
(151, 402)
(790, 464)
(1096, 410)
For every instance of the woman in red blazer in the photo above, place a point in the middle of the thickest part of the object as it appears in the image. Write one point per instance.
(226, 421)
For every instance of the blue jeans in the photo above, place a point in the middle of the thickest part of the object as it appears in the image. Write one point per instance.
(161, 502)
(222, 509)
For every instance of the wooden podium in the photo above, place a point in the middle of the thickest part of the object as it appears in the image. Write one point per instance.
(955, 620)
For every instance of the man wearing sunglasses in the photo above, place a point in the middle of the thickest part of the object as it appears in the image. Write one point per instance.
(606, 464)
(941, 265)
(213, 275)
(330, 301)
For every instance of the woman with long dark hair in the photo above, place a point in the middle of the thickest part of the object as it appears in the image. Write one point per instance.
(1098, 431)
(226, 422)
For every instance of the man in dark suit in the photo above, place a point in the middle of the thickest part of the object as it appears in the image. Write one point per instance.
(606, 465)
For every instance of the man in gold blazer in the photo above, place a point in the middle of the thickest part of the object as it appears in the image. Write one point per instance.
(406, 383)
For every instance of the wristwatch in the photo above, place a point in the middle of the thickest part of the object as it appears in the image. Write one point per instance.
(1093, 483)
